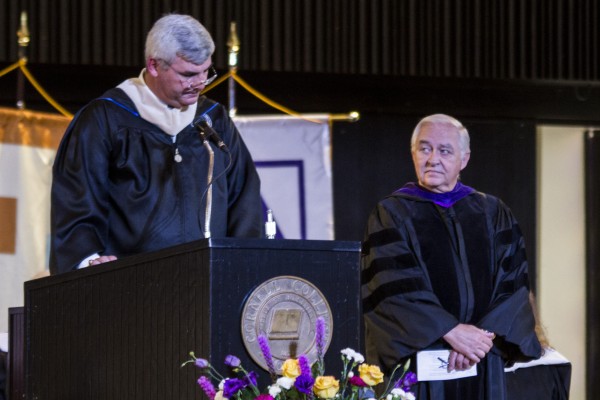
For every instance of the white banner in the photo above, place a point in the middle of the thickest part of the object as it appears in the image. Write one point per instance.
(292, 156)
(27, 149)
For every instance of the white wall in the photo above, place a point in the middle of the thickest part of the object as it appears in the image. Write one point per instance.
(561, 241)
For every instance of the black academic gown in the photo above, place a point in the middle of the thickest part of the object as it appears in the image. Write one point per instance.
(117, 189)
(427, 268)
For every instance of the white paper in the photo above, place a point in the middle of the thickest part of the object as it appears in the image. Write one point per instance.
(550, 357)
(432, 365)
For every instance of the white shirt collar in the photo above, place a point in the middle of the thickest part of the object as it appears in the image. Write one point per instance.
(152, 109)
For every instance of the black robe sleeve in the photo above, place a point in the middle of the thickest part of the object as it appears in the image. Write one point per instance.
(402, 314)
(79, 201)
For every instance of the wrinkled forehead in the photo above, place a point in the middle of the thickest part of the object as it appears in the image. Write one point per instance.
(439, 132)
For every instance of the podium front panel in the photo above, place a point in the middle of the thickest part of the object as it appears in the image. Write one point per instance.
(122, 329)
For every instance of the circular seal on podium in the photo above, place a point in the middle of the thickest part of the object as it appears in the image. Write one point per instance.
(284, 309)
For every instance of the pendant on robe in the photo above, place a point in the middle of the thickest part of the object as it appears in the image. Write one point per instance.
(177, 157)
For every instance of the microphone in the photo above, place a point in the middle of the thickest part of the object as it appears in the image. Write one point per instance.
(211, 135)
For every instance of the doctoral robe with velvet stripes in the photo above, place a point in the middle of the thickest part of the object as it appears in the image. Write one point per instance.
(427, 268)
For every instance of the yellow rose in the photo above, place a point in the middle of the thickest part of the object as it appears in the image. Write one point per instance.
(290, 368)
(326, 387)
(370, 374)
(219, 396)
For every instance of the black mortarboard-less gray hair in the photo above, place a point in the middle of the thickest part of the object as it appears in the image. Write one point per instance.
(464, 139)
(176, 35)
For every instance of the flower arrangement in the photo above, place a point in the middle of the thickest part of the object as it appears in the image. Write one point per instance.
(298, 380)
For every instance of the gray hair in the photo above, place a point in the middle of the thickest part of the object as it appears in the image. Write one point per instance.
(463, 139)
(176, 35)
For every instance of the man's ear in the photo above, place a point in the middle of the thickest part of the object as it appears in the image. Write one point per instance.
(465, 160)
(152, 66)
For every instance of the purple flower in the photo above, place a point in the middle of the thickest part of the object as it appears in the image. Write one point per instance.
(266, 352)
(207, 387)
(232, 386)
(232, 361)
(250, 378)
(304, 384)
(201, 363)
(264, 397)
(357, 381)
(304, 365)
(407, 381)
(320, 337)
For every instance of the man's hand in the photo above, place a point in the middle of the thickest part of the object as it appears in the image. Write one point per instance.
(102, 259)
(470, 345)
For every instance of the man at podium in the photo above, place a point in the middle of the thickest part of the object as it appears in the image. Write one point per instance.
(152, 163)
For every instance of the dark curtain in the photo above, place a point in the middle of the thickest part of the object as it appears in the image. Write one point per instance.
(550, 39)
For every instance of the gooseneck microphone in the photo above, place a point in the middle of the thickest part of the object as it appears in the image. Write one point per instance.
(210, 134)
(207, 133)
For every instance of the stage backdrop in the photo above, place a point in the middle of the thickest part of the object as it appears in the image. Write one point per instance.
(292, 157)
(28, 142)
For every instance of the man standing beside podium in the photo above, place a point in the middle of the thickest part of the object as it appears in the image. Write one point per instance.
(136, 170)
(445, 276)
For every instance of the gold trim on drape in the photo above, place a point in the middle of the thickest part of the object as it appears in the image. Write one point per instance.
(31, 128)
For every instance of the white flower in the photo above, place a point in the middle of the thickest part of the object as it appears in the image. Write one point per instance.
(274, 390)
(350, 374)
(400, 394)
(359, 358)
(349, 353)
(285, 382)
(397, 392)
(352, 355)
(222, 384)
(388, 397)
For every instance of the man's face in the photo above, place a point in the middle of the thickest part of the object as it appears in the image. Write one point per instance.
(180, 83)
(437, 157)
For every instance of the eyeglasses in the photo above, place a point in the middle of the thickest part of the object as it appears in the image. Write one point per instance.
(210, 77)
(190, 82)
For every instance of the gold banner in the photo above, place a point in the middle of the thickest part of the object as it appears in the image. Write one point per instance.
(31, 128)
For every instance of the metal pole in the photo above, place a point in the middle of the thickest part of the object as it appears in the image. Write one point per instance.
(233, 44)
(23, 40)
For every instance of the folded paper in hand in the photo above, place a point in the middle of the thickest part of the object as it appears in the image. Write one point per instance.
(432, 365)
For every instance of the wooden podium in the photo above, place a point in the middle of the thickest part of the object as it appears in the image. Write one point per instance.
(121, 330)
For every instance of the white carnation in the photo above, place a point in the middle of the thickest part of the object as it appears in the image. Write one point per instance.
(274, 390)
(349, 353)
(285, 382)
(359, 358)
